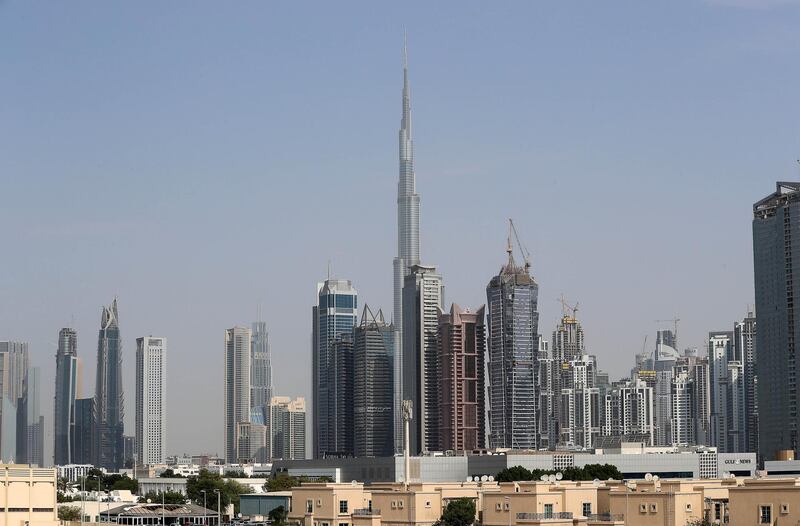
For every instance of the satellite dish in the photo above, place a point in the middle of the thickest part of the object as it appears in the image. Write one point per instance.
(596, 482)
(543, 478)
(655, 478)
(484, 478)
(491, 478)
(559, 476)
(551, 478)
(469, 479)
(648, 477)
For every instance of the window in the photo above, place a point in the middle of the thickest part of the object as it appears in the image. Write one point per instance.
(427, 504)
(653, 507)
(587, 509)
(548, 511)
(342, 506)
(717, 511)
(784, 509)
(642, 508)
(400, 504)
(394, 504)
(497, 506)
(688, 507)
(507, 506)
(319, 502)
(765, 515)
(309, 506)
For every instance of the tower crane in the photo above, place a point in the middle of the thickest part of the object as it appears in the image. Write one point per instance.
(674, 321)
(526, 256)
(566, 307)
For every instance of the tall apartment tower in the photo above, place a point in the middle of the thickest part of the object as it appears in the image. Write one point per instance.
(335, 313)
(407, 245)
(287, 428)
(513, 331)
(568, 345)
(462, 346)
(341, 379)
(260, 366)
(66, 391)
(151, 391)
(776, 220)
(744, 333)
(13, 400)
(237, 386)
(84, 441)
(423, 300)
(579, 421)
(108, 398)
(34, 425)
(727, 393)
(373, 383)
(629, 411)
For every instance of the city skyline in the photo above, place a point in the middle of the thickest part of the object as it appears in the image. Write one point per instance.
(46, 295)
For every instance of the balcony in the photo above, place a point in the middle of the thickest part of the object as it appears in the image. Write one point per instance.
(558, 515)
(605, 518)
(366, 512)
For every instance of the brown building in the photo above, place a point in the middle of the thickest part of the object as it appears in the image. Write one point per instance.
(27, 496)
(765, 501)
(462, 345)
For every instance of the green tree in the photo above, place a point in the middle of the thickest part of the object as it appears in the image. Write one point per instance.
(229, 490)
(459, 512)
(277, 516)
(514, 474)
(282, 482)
(69, 513)
(169, 496)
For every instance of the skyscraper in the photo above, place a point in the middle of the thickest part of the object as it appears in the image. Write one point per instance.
(373, 395)
(579, 421)
(776, 219)
(745, 342)
(335, 313)
(423, 301)
(13, 406)
(260, 366)
(66, 391)
(237, 386)
(568, 345)
(513, 323)
(151, 391)
(720, 352)
(407, 243)
(84, 442)
(287, 428)
(629, 411)
(462, 346)
(341, 377)
(34, 422)
(109, 409)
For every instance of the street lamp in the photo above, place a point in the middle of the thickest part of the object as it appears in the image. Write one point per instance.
(219, 507)
(205, 520)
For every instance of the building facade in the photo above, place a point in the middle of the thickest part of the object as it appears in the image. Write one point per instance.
(462, 347)
(373, 382)
(512, 338)
(84, 441)
(237, 386)
(744, 333)
(423, 300)
(260, 366)
(108, 398)
(66, 391)
(776, 219)
(151, 394)
(335, 313)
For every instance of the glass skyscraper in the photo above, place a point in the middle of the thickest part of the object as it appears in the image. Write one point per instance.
(108, 398)
(260, 367)
(513, 323)
(334, 314)
(373, 393)
(776, 221)
(65, 394)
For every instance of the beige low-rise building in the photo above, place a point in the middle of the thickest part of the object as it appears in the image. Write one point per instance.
(27, 496)
(328, 504)
(533, 503)
(765, 501)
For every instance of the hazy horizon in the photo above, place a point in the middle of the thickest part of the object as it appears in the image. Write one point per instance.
(197, 162)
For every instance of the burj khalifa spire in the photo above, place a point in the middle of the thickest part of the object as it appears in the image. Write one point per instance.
(407, 242)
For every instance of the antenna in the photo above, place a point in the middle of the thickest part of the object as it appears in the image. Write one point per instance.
(329, 270)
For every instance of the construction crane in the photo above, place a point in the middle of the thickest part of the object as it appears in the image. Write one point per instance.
(566, 307)
(525, 254)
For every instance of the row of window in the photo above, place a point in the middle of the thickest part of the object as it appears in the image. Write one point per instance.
(586, 507)
(765, 513)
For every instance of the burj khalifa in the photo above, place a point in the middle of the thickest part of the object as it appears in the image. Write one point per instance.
(407, 244)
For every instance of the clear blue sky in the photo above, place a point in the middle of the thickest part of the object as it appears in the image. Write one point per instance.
(197, 159)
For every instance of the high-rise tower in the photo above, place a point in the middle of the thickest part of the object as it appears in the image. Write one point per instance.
(151, 384)
(407, 242)
(513, 347)
(108, 396)
(260, 367)
(65, 395)
(238, 342)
